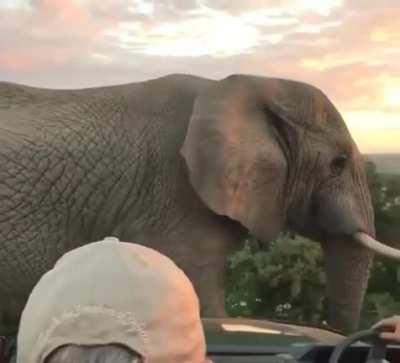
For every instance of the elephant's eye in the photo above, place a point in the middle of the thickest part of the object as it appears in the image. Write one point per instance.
(338, 164)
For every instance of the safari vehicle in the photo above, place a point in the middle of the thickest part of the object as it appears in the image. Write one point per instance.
(236, 340)
(256, 341)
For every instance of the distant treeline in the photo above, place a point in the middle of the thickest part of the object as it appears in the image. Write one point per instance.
(385, 163)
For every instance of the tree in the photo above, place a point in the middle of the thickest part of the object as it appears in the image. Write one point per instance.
(385, 195)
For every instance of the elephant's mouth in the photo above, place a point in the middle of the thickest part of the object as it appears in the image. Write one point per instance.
(360, 237)
(319, 227)
(348, 230)
(365, 240)
(332, 219)
(372, 244)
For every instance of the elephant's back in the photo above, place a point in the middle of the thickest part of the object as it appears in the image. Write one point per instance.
(164, 103)
(153, 113)
(14, 95)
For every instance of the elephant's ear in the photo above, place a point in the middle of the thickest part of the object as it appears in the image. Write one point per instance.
(234, 153)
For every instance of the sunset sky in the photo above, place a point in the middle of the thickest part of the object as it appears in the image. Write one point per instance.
(348, 48)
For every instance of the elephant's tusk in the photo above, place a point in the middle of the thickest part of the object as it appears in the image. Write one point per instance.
(376, 246)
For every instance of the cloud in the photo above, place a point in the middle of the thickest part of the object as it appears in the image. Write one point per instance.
(49, 33)
(349, 49)
(198, 36)
(297, 7)
(16, 4)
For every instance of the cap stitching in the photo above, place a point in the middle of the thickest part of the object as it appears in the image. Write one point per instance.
(126, 319)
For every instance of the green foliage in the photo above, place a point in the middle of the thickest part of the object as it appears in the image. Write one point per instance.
(286, 281)
(383, 294)
(385, 194)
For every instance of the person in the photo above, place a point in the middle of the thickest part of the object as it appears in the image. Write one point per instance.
(112, 301)
(389, 328)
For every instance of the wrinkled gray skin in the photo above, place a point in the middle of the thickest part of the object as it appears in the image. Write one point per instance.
(184, 165)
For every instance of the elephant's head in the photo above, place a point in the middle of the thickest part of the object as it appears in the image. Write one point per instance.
(273, 153)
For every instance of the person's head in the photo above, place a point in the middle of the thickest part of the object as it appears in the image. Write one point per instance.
(112, 298)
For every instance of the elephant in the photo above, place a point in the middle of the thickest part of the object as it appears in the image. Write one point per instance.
(188, 166)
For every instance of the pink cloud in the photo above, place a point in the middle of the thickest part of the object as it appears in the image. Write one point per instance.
(63, 12)
(53, 33)
(64, 43)
(64, 20)
(21, 60)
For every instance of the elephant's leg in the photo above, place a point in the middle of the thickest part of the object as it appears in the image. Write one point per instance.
(2, 322)
(201, 249)
(10, 311)
(208, 279)
(10, 349)
(347, 268)
(9, 327)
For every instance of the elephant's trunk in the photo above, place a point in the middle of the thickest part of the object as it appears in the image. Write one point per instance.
(383, 250)
(347, 267)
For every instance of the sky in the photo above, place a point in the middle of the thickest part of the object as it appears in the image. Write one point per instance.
(350, 49)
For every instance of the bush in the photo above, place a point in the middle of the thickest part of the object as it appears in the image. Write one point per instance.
(284, 282)
(287, 282)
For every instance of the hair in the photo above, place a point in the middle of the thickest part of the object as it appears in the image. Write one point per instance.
(111, 353)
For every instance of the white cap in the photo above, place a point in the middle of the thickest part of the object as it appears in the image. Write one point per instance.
(107, 292)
